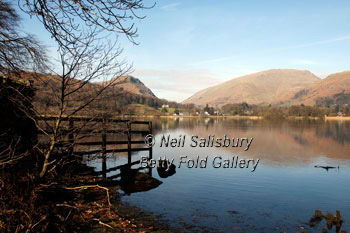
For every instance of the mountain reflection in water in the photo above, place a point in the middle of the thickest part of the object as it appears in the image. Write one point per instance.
(284, 142)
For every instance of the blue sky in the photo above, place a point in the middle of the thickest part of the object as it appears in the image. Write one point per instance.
(187, 45)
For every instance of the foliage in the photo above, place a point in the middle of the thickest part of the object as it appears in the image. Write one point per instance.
(237, 109)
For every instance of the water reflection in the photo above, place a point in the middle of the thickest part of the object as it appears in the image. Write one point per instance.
(285, 142)
(279, 196)
(327, 167)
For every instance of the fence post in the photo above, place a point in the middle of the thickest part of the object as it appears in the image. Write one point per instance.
(104, 143)
(70, 136)
(150, 148)
(150, 132)
(129, 143)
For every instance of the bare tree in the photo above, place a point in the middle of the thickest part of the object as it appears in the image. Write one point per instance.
(82, 30)
(80, 66)
(86, 34)
(18, 51)
(87, 47)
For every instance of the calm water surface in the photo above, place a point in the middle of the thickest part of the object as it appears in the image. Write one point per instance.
(281, 195)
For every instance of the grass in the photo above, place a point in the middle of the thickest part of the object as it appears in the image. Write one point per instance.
(141, 109)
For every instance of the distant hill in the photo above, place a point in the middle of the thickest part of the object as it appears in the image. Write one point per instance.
(132, 85)
(259, 88)
(335, 89)
(125, 91)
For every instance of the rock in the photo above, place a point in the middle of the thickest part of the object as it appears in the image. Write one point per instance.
(164, 170)
(142, 182)
(127, 175)
(316, 218)
(330, 216)
(233, 212)
(339, 218)
(330, 219)
(318, 214)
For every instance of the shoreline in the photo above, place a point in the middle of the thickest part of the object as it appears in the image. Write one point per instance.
(231, 117)
(174, 117)
(103, 211)
(142, 217)
(325, 118)
(335, 118)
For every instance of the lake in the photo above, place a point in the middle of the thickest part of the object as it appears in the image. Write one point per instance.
(282, 193)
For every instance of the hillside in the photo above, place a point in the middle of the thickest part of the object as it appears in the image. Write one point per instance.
(263, 87)
(114, 100)
(132, 85)
(335, 89)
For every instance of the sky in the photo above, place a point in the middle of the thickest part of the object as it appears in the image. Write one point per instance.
(185, 46)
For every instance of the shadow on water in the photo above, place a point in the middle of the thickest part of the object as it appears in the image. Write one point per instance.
(327, 167)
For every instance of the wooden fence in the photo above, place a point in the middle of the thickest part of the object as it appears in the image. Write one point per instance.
(71, 132)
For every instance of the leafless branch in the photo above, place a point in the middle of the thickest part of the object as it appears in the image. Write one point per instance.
(69, 21)
(18, 51)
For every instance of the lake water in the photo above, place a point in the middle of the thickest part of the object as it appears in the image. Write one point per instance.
(280, 195)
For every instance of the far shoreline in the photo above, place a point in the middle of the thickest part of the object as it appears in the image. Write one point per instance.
(336, 118)
(214, 116)
(325, 118)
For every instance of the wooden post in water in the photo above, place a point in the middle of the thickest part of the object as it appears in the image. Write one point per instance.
(150, 148)
(104, 143)
(129, 143)
(70, 136)
(150, 132)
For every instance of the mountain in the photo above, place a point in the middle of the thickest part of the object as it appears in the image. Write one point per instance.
(263, 87)
(124, 91)
(132, 85)
(335, 89)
